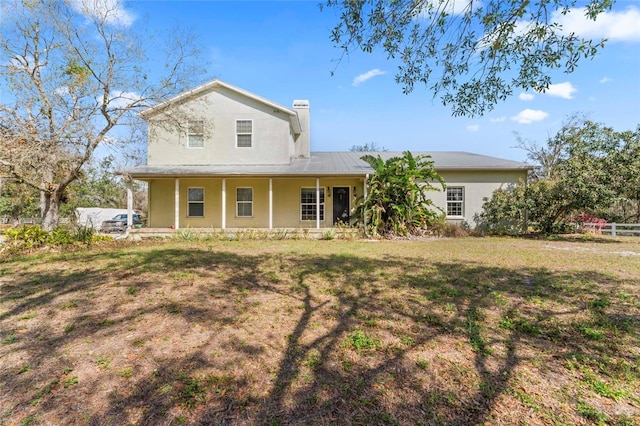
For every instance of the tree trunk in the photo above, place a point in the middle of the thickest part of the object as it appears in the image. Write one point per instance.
(49, 208)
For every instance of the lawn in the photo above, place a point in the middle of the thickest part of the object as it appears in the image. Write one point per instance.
(444, 331)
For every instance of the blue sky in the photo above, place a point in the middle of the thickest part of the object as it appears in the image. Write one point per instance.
(281, 50)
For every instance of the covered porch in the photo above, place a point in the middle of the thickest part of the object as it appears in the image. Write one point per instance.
(218, 203)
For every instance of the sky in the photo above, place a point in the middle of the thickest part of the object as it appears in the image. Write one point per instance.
(281, 50)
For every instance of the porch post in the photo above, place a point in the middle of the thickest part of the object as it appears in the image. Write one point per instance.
(364, 209)
(129, 202)
(176, 217)
(318, 203)
(270, 203)
(224, 203)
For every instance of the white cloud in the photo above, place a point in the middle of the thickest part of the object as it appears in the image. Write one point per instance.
(473, 127)
(62, 91)
(367, 75)
(561, 90)
(605, 80)
(529, 116)
(498, 119)
(613, 25)
(122, 99)
(452, 7)
(526, 96)
(111, 11)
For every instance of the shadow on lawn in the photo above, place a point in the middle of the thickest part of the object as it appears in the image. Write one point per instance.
(319, 376)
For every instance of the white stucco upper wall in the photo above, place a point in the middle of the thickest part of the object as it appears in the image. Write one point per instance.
(219, 108)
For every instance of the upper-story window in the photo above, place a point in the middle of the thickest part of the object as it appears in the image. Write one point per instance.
(195, 134)
(244, 133)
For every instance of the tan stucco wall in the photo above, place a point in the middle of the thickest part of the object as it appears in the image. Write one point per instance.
(162, 203)
(286, 198)
(272, 138)
(260, 217)
(286, 201)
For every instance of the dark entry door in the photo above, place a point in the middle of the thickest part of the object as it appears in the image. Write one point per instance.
(340, 204)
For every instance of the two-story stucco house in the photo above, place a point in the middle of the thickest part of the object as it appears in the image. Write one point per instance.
(221, 157)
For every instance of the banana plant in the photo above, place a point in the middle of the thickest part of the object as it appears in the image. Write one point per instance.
(397, 202)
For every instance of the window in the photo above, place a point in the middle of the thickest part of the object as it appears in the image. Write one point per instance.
(195, 134)
(455, 201)
(308, 205)
(244, 130)
(244, 202)
(195, 202)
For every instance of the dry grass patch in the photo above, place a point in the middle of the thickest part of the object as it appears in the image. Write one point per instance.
(463, 331)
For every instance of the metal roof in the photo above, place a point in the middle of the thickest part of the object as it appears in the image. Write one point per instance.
(327, 164)
(460, 160)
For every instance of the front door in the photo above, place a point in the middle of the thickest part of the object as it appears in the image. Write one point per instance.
(340, 204)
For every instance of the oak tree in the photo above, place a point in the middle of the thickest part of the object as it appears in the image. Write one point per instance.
(594, 171)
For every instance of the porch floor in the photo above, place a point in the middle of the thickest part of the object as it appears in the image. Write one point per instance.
(275, 233)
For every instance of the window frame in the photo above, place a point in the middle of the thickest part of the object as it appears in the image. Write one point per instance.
(244, 202)
(453, 202)
(190, 134)
(313, 204)
(193, 202)
(238, 120)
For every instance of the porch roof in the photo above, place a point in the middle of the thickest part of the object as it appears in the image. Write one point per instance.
(326, 164)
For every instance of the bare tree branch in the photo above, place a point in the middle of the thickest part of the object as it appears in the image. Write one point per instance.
(72, 77)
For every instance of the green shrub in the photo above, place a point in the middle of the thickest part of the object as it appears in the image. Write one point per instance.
(33, 236)
(504, 212)
(61, 237)
(329, 234)
(84, 234)
(100, 238)
(29, 236)
(442, 228)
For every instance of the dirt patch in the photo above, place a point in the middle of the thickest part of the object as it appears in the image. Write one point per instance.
(600, 250)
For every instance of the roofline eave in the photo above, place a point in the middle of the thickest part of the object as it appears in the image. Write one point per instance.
(155, 109)
(148, 176)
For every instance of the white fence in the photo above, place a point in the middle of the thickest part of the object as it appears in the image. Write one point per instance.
(5, 220)
(614, 229)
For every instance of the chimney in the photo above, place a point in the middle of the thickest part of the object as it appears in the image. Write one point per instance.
(303, 140)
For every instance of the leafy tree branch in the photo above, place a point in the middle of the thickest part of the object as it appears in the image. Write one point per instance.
(470, 54)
